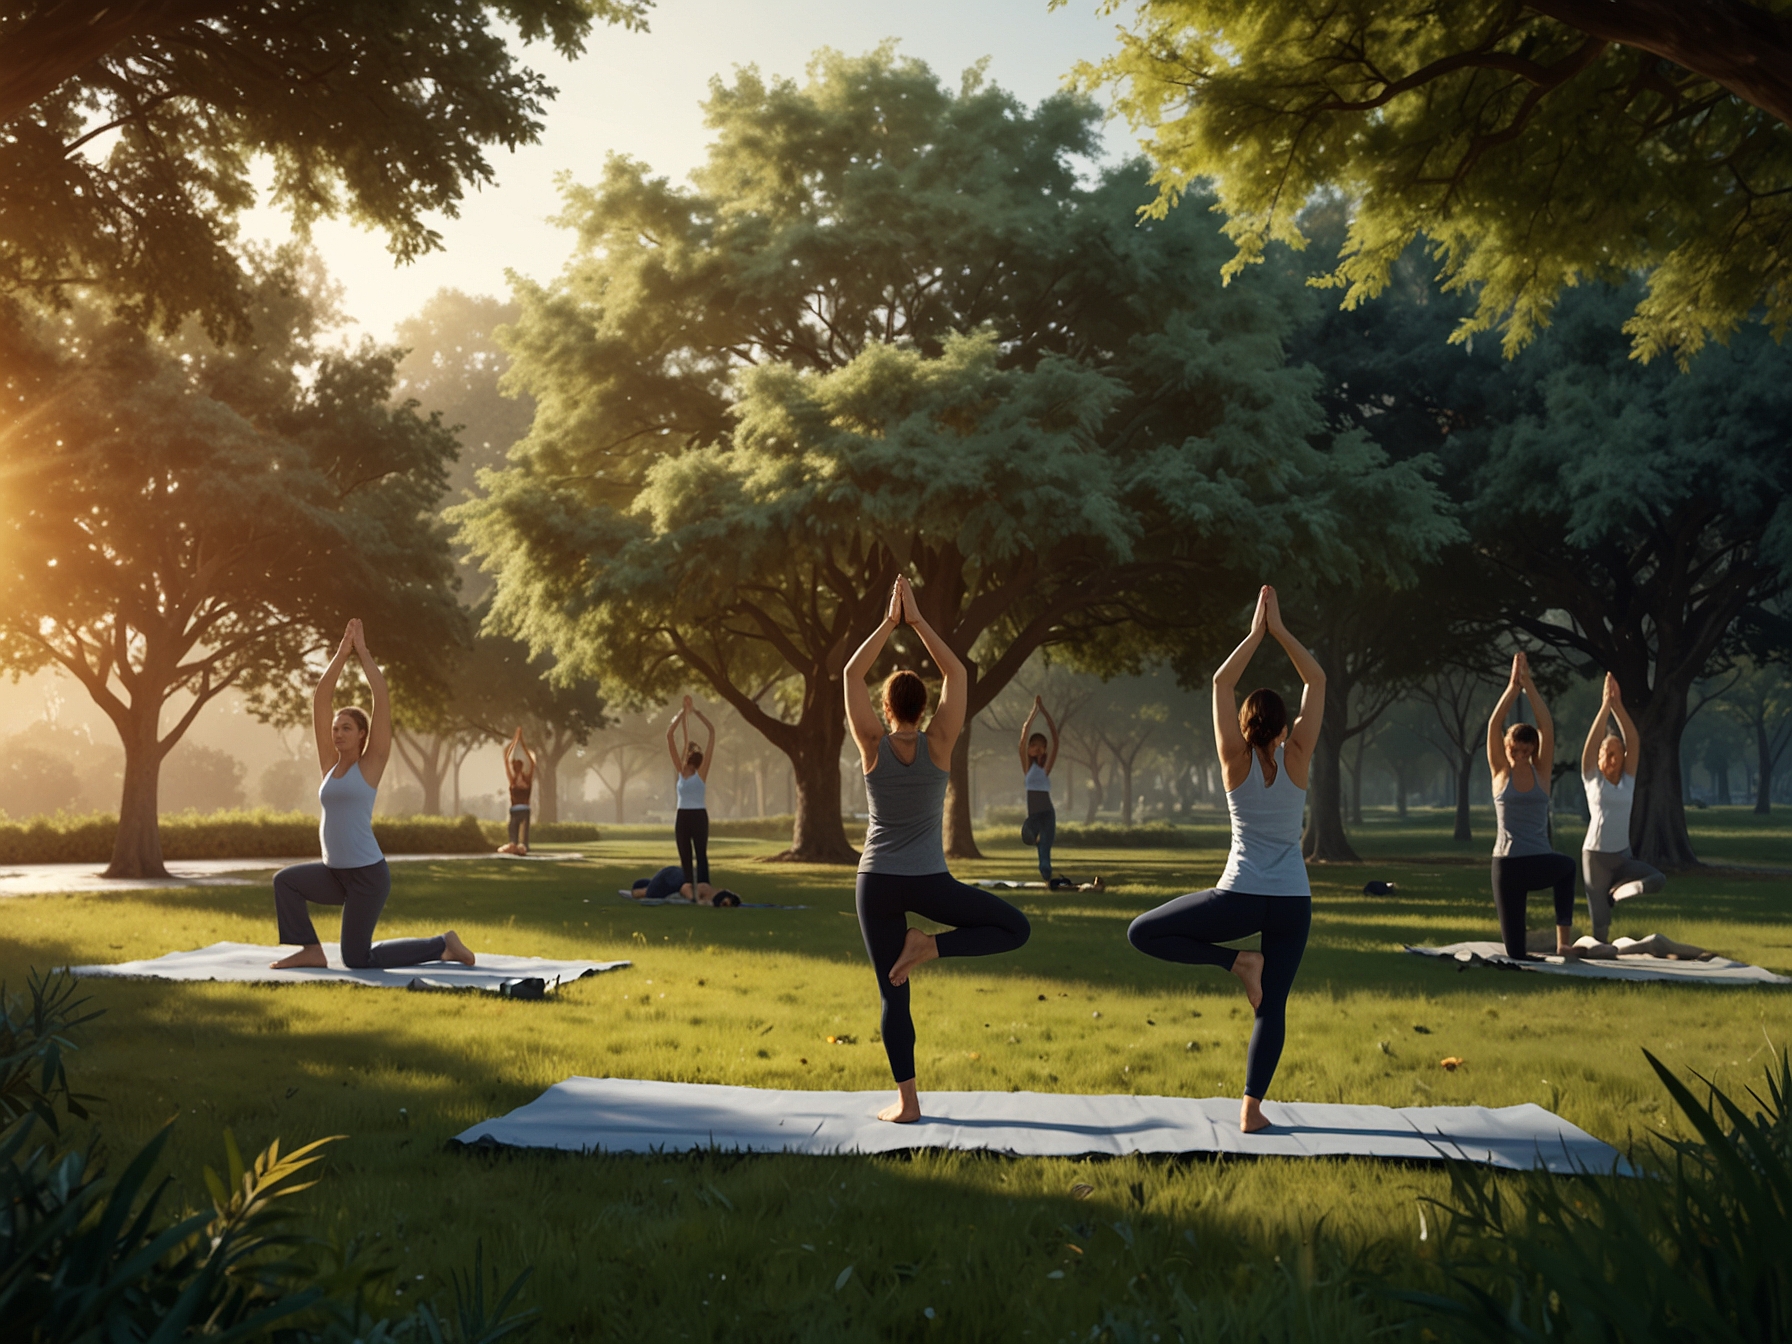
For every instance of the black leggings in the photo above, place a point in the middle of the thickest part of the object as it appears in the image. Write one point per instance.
(690, 827)
(1515, 878)
(361, 892)
(1188, 930)
(982, 925)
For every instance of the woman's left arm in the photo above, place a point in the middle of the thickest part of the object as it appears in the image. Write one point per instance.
(709, 745)
(379, 734)
(948, 720)
(1546, 726)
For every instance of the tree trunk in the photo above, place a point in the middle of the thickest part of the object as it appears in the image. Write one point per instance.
(1764, 771)
(1356, 782)
(960, 842)
(137, 848)
(1126, 785)
(1096, 792)
(1658, 821)
(1465, 777)
(818, 834)
(1325, 840)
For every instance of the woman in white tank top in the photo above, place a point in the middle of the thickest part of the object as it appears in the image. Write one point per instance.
(690, 823)
(1264, 762)
(1037, 757)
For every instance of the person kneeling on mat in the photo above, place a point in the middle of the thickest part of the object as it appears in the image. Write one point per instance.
(1523, 859)
(352, 751)
(1264, 762)
(1608, 773)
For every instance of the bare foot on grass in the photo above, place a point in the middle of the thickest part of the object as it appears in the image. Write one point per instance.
(907, 1107)
(1251, 1117)
(309, 955)
(455, 950)
(917, 948)
(1249, 969)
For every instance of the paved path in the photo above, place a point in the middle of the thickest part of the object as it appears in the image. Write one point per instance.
(41, 879)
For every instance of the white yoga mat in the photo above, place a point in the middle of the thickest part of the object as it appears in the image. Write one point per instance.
(249, 963)
(1717, 971)
(623, 1115)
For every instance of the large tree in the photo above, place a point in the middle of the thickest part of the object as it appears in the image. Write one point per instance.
(1634, 514)
(888, 329)
(129, 131)
(1534, 145)
(182, 518)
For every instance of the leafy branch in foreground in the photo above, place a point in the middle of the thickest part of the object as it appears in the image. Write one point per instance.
(33, 1037)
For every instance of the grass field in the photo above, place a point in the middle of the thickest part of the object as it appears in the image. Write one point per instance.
(963, 1247)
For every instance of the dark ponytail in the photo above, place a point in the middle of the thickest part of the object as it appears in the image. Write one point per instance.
(1262, 718)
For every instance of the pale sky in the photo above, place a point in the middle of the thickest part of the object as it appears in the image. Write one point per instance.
(639, 94)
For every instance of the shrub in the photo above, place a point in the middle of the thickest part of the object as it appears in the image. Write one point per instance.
(260, 834)
(544, 832)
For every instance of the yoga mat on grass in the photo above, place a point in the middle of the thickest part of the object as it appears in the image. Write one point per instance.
(624, 1115)
(705, 905)
(248, 963)
(1717, 971)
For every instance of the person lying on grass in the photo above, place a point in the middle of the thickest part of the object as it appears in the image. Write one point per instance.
(352, 750)
(1264, 889)
(902, 869)
(665, 885)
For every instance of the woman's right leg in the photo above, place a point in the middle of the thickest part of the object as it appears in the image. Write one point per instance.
(367, 890)
(683, 835)
(1286, 922)
(1597, 870)
(700, 842)
(1048, 832)
(883, 922)
(1188, 929)
(1509, 898)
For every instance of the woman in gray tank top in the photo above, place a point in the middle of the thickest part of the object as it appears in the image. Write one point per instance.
(903, 867)
(1523, 859)
(353, 748)
(1263, 891)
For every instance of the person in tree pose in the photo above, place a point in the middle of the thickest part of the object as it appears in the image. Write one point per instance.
(1263, 889)
(690, 824)
(1037, 757)
(1608, 773)
(519, 768)
(352, 750)
(903, 867)
(1523, 859)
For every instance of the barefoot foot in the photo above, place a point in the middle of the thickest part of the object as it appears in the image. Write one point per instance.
(1251, 1117)
(917, 948)
(1249, 969)
(907, 1107)
(455, 950)
(310, 955)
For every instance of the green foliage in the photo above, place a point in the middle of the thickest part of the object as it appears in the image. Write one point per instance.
(545, 832)
(258, 834)
(34, 1036)
(128, 135)
(1529, 155)
(1695, 1253)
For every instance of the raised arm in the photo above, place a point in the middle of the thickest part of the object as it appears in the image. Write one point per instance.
(948, 720)
(323, 701)
(379, 734)
(1051, 754)
(1589, 752)
(1026, 731)
(672, 742)
(1497, 760)
(709, 742)
(1633, 737)
(1546, 726)
(861, 714)
(1303, 734)
(1227, 738)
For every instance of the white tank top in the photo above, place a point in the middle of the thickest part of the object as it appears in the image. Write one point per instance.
(1265, 857)
(690, 791)
(1609, 830)
(1037, 780)
(345, 832)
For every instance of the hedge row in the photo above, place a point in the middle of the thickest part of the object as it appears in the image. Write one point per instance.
(260, 834)
(1000, 821)
(545, 832)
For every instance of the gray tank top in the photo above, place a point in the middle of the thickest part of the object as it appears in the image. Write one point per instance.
(1522, 818)
(1265, 858)
(345, 831)
(902, 835)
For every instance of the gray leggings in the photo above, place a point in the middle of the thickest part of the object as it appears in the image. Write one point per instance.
(1605, 869)
(361, 892)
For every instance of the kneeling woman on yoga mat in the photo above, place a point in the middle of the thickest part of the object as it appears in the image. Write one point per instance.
(352, 751)
(903, 867)
(1523, 859)
(1264, 887)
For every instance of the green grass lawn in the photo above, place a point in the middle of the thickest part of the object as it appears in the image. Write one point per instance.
(717, 1248)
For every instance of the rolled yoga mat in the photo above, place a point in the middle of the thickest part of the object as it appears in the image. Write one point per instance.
(1717, 971)
(623, 1115)
(248, 963)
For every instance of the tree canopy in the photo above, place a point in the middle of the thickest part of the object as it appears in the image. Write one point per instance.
(888, 329)
(181, 518)
(1533, 146)
(128, 131)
